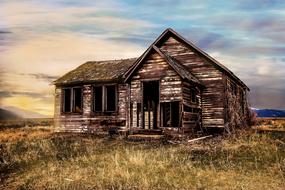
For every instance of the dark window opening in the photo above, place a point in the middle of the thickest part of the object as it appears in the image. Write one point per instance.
(72, 100)
(98, 94)
(187, 108)
(111, 98)
(77, 100)
(193, 96)
(105, 99)
(196, 110)
(175, 114)
(170, 114)
(66, 100)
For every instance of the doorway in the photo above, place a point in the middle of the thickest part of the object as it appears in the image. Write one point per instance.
(150, 104)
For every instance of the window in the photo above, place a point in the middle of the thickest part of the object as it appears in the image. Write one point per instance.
(72, 100)
(66, 100)
(105, 99)
(98, 94)
(111, 98)
(193, 96)
(187, 108)
(77, 100)
(170, 114)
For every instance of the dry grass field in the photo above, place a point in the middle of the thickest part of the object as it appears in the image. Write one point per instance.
(271, 123)
(38, 158)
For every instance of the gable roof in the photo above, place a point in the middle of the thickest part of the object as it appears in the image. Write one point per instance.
(171, 32)
(178, 67)
(96, 71)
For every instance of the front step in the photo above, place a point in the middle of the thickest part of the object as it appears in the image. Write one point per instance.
(146, 131)
(145, 137)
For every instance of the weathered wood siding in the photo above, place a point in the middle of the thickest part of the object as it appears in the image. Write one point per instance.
(235, 103)
(191, 111)
(88, 121)
(154, 68)
(211, 77)
(57, 106)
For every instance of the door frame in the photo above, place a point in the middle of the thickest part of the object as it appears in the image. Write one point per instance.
(158, 102)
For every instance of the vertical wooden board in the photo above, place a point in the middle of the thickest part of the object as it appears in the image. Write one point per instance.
(87, 100)
(122, 103)
(57, 107)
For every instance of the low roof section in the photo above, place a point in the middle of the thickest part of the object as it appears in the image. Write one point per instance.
(96, 72)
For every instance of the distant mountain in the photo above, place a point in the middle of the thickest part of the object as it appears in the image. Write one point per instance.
(269, 112)
(5, 115)
(22, 113)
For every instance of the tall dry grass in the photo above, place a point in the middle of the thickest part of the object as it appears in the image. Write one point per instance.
(77, 161)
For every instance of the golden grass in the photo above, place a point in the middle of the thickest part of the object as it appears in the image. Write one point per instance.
(277, 123)
(45, 160)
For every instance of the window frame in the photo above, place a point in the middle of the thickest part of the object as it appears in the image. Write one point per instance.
(72, 100)
(171, 105)
(104, 110)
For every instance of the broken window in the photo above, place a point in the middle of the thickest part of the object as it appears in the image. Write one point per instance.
(72, 100)
(105, 99)
(77, 100)
(170, 114)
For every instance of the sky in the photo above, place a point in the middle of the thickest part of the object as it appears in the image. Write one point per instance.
(42, 40)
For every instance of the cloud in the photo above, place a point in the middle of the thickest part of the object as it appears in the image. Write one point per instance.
(15, 93)
(101, 19)
(256, 5)
(41, 40)
(30, 103)
(259, 97)
(45, 77)
(45, 44)
(4, 32)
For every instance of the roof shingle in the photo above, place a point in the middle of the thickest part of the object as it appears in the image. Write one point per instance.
(96, 71)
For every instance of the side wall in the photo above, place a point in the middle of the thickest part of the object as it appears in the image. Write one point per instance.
(191, 110)
(236, 105)
(88, 121)
(213, 95)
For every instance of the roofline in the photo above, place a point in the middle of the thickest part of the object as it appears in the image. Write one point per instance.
(118, 79)
(126, 75)
(153, 47)
(166, 58)
(220, 65)
(211, 59)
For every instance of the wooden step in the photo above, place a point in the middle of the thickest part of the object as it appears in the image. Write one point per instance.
(147, 131)
(144, 137)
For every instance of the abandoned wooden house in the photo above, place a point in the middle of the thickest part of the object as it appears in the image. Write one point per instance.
(173, 87)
